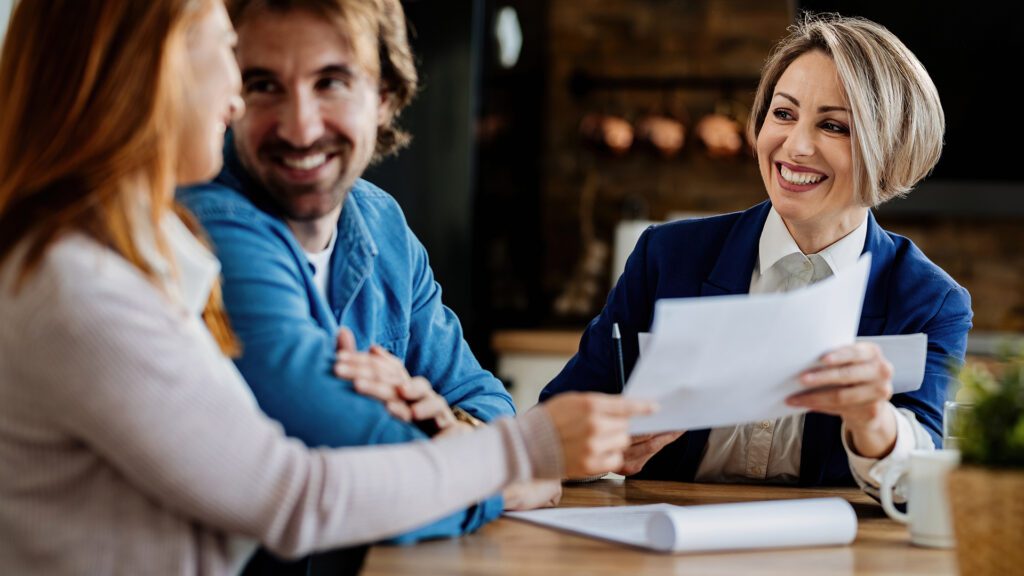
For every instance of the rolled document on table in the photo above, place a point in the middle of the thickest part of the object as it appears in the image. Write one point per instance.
(746, 525)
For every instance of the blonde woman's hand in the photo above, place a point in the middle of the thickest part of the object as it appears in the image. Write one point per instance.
(642, 448)
(855, 383)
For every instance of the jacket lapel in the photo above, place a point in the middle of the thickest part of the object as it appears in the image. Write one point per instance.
(353, 257)
(876, 304)
(731, 274)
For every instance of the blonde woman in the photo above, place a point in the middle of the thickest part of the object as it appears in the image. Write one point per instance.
(129, 444)
(845, 118)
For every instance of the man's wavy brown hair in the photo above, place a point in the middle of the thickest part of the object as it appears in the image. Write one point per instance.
(376, 33)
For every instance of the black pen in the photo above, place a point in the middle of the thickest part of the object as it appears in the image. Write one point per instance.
(620, 365)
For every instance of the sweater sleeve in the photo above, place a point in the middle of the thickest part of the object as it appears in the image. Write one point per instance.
(130, 377)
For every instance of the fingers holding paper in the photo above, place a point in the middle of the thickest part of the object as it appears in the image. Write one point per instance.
(855, 383)
(850, 382)
(642, 448)
(594, 429)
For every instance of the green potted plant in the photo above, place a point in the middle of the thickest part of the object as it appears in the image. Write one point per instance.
(986, 492)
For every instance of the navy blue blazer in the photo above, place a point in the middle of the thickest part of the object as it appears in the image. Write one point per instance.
(906, 293)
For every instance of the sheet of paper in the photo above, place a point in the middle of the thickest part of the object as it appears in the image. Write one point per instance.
(735, 526)
(751, 525)
(622, 524)
(725, 360)
(906, 352)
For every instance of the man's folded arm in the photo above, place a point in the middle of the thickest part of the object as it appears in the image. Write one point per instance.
(438, 352)
(287, 358)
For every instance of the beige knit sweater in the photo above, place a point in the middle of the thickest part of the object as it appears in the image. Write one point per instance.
(130, 445)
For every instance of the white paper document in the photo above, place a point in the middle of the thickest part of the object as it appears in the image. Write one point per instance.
(725, 360)
(714, 527)
(906, 352)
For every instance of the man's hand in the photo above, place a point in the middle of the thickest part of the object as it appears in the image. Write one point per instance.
(642, 448)
(379, 374)
(426, 404)
(534, 494)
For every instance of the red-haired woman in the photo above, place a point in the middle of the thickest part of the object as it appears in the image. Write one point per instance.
(128, 442)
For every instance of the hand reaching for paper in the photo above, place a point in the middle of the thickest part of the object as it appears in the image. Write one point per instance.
(855, 383)
(594, 429)
(379, 374)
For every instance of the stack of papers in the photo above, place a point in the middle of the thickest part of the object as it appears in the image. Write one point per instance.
(715, 527)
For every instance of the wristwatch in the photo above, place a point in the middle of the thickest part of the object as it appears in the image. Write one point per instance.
(463, 416)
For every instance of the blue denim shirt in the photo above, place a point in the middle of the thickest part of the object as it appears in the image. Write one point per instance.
(381, 287)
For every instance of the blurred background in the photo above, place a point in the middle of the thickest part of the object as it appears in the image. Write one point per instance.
(549, 133)
(5, 13)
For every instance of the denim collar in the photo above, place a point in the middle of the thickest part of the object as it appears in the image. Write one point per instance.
(353, 259)
(355, 250)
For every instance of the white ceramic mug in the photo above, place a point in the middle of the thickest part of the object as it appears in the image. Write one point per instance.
(928, 513)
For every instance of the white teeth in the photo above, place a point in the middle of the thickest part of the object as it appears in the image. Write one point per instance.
(799, 177)
(305, 162)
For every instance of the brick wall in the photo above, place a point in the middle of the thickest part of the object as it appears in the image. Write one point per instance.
(985, 256)
(705, 40)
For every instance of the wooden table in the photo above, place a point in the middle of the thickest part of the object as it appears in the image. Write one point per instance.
(513, 547)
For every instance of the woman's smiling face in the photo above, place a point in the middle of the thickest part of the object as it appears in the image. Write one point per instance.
(804, 148)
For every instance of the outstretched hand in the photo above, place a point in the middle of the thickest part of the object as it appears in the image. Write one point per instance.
(593, 429)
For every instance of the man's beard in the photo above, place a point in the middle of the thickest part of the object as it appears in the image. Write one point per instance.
(304, 202)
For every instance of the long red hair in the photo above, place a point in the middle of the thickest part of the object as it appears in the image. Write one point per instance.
(90, 99)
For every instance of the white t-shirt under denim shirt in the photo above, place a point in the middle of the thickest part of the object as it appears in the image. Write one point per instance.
(769, 450)
(321, 262)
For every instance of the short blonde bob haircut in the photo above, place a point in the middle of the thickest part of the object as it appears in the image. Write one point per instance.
(897, 118)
